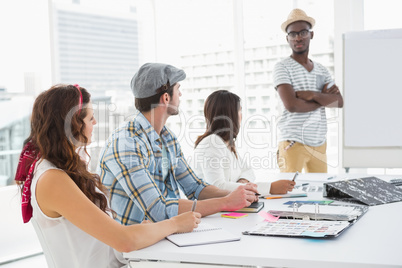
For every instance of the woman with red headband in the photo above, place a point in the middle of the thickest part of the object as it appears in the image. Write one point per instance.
(68, 205)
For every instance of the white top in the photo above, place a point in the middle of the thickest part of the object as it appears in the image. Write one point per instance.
(309, 128)
(64, 244)
(215, 163)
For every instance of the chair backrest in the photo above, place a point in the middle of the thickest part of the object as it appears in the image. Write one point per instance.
(17, 240)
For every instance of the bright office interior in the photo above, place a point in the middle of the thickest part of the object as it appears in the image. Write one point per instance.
(225, 44)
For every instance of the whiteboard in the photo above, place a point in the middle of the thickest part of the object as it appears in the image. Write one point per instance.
(372, 117)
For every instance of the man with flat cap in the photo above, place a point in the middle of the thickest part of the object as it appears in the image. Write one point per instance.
(142, 163)
(305, 88)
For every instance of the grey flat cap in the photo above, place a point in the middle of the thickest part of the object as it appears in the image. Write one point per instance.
(152, 76)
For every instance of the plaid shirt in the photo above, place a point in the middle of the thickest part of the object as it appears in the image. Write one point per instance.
(130, 166)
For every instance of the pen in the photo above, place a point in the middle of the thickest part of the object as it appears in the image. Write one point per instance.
(273, 197)
(194, 205)
(294, 177)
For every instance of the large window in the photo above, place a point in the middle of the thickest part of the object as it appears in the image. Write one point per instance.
(382, 14)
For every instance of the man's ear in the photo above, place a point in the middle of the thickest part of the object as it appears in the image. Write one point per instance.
(165, 98)
(312, 35)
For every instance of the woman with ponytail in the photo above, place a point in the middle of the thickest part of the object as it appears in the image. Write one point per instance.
(67, 204)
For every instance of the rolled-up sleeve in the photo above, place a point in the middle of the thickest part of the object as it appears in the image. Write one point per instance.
(189, 182)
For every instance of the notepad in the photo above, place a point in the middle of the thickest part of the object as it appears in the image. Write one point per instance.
(204, 234)
(294, 193)
(253, 208)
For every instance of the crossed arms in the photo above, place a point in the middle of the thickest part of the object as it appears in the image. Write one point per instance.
(307, 101)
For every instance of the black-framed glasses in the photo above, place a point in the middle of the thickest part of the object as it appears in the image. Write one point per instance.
(302, 34)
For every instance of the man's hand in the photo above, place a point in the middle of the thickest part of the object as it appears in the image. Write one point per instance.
(242, 197)
(253, 188)
(332, 90)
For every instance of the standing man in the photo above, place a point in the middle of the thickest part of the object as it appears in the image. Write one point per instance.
(305, 88)
(142, 163)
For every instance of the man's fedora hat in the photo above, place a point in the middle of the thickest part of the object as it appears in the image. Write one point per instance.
(297, 15)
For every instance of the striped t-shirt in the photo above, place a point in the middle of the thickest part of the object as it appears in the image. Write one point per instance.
(309, 128)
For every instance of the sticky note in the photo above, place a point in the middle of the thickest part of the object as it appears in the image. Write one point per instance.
(234, 215)
(268, 217)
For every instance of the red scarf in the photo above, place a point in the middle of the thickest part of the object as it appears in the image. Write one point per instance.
(26, 165)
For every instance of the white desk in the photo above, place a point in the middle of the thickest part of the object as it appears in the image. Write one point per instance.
(373, 241)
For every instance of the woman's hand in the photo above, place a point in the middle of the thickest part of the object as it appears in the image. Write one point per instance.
(243, 181)
(187, 221)
(282, 186)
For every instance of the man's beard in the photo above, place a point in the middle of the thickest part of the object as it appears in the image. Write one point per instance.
(173, 110)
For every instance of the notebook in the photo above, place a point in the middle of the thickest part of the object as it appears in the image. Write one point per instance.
(299, 228)
(254, 207)
(204, 234)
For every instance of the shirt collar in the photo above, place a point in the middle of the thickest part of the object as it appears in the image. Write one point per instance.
(150, 131)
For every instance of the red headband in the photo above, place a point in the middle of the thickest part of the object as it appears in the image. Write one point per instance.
(80, 103)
